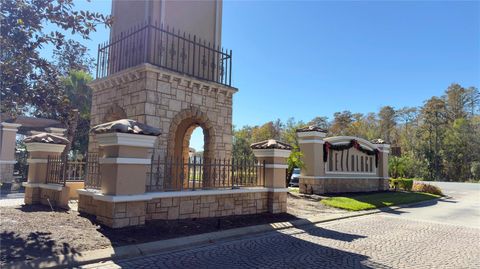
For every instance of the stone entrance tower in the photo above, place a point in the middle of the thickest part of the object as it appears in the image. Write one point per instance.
(164, 66)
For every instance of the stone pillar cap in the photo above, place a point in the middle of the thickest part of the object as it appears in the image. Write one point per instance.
(311, 128)
(125, 126)
(46, 138)
(271, 144)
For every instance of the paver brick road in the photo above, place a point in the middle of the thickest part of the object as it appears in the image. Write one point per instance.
(375, 241)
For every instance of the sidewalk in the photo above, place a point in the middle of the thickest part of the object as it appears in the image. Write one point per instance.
(7, 201)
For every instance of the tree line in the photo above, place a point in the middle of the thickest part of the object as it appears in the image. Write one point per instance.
(439, 140)
(36, 85)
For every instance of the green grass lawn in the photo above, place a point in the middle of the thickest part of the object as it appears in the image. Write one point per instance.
(377, 200)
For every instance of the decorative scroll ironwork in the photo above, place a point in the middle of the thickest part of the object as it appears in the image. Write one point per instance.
(162, 47)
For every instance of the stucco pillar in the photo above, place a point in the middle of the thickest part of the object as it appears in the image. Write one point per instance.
(39, 148)
(124, 149)
(312, 174)
(124, 162)
(382, 169)
(274, 155)
(8, 132)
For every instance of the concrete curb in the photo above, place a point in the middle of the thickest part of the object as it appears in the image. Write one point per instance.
(131, 251)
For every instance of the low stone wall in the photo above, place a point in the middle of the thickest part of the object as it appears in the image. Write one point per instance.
(47, 194)
(113, 214)
(87, 205)
(117, 214)
(55, 198)
(207, 206)
(277, 202)
(32, 195)
(340, 185)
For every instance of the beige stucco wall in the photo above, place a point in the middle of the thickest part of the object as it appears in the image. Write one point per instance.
(7, 145)
(73, 186)
(8, 133)
(200, 18)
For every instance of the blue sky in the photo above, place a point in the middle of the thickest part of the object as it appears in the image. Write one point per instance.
(312, 58)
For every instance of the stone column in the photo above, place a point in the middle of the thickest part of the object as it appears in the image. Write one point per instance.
(8, 132)
(124, 162)
(274, 155)
(312, 174)
(382, 169)
(40, 147)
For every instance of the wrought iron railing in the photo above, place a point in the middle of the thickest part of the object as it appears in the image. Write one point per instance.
(195, 173)
(166, 48)
(92, 177)
(60, 171)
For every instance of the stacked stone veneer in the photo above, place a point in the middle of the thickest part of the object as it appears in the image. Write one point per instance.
(164, 99)
(131, 213)
(207, 206)
(341, 185)
(114, 215)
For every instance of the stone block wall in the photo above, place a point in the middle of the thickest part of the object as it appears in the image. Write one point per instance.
(311, 185)
(123, 214)
(277, 202)
(113, 214)
(57, 198)
(156, 96)
(207, 206)
(340, 185)
(32, 195)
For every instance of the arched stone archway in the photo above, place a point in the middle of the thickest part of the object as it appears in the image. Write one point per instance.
(181, 129)
(179, 135)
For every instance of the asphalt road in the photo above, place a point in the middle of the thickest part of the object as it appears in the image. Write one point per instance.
(460, 207)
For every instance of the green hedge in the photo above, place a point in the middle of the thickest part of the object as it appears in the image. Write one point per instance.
(405, 184)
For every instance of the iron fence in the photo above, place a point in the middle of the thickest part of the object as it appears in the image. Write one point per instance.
(59, 170)
(166, 48)
(92, 177)
(177, 174)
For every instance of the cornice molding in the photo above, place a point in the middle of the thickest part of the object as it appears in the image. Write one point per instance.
(135, 73)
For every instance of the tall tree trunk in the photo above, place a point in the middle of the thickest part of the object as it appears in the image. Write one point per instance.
(71, 130)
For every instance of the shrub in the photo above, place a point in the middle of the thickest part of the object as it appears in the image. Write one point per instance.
(475, 170)
(428, 188)
(403, 166)
(402, 183)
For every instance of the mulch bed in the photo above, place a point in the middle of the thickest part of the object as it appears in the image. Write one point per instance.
(29, 232)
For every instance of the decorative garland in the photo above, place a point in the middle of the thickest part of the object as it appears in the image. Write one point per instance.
(352, 144)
